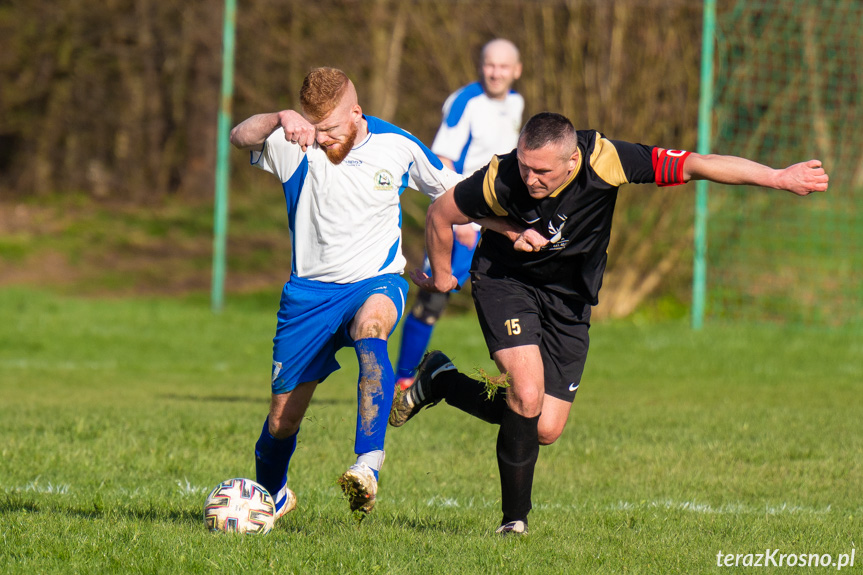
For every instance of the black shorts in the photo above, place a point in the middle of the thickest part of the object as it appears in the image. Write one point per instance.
(512, 313)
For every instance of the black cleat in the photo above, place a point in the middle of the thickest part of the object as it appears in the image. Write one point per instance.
(409, 401)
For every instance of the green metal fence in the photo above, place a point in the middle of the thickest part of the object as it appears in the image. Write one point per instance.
(787, 86)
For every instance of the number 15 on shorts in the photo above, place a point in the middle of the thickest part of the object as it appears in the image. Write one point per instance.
(512, 326)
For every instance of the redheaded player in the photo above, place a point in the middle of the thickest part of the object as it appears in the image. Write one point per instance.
(342, 174)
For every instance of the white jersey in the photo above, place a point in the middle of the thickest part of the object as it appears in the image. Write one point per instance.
(476, 127)
(345, 219)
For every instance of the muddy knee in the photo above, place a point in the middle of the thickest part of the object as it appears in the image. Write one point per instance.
(374, 328)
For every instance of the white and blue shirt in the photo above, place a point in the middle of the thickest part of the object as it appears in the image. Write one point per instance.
(476, 127)
(345, 219)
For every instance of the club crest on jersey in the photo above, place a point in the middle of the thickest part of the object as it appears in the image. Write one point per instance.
(384, 180)
(556, 242)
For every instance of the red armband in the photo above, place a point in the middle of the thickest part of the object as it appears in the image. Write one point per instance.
(668, 166)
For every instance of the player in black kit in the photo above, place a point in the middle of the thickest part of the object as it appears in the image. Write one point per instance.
(533, 289)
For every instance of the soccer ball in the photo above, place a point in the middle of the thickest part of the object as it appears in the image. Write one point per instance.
(240, 506)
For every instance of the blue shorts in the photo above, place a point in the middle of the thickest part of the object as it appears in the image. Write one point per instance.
(313, 323)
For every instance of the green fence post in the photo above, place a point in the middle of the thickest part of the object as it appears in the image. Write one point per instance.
(220, 215)
(699, 268)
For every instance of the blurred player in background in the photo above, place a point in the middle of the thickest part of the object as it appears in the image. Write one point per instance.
(342, 174)
(534, 290)
(479, 120)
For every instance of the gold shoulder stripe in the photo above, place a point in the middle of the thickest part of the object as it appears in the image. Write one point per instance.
(488, 188)
(606, 162)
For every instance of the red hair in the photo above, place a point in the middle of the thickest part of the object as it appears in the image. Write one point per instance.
(322, 91)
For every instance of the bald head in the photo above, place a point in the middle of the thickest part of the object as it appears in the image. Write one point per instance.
(500, 66)
(501, 48)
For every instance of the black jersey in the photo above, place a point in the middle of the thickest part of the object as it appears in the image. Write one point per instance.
(576, 218)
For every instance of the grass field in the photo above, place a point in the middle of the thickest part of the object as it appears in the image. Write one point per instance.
(118, 416)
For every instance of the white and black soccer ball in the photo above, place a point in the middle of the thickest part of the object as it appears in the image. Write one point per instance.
(240, 506)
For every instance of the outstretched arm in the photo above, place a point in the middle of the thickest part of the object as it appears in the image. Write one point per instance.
(800, 179)
(251, 133)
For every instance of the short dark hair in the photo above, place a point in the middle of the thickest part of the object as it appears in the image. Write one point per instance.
(547, 128)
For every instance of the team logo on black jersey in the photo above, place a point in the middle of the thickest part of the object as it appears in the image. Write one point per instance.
(384, 180)
(555, 242)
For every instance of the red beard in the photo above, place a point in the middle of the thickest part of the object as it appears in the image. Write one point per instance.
(336, 155)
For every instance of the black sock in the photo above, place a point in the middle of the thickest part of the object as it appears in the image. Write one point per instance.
(468, 394)
(517, 452)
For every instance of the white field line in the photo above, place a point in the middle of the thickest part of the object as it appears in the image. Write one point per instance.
(187, 489)
(36, 486)
(724, 509)
(184, 487)
(666, 504)
(27, 363)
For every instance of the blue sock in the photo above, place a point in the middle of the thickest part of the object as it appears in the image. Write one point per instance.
(272, 457)
(415, 339)
(375, 390)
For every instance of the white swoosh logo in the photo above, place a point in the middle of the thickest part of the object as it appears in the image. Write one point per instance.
(532, 221)
(573, 386)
